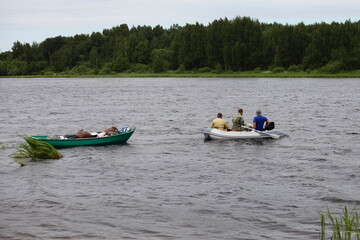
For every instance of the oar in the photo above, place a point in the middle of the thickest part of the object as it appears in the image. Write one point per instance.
(271, 135)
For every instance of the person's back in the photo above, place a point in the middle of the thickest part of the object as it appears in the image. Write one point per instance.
(259, 121)
(220, 123)
(238, 121)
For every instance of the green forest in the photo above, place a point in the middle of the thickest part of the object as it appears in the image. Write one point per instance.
(238, 45)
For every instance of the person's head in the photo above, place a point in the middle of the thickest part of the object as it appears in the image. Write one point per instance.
(219, 115)
(258, 112)
(240, 111)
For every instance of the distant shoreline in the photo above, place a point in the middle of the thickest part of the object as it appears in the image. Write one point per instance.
(250, 74)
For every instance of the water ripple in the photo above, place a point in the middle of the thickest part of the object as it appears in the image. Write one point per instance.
(167, 182)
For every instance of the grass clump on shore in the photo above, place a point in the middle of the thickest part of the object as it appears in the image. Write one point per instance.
(344, 227)
(35, 150)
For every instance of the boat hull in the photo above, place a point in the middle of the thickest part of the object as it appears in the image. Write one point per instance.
(120, 138)
(213, 133)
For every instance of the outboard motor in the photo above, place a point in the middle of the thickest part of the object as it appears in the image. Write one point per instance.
(271, 126)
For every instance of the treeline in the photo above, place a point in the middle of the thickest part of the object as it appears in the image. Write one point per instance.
(241, 44)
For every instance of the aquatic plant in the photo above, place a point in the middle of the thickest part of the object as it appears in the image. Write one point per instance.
(2, 146)
(35, 150)
(345, 227)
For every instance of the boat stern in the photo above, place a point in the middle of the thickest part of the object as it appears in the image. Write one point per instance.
(206, 132)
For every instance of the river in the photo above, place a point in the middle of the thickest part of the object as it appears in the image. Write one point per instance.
(167, 182)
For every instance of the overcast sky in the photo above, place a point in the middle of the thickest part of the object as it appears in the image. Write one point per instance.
(31, 21)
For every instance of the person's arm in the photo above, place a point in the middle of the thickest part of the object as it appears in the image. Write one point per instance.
(267, 123)
(254, 125)
(242, 121)
(212, 125)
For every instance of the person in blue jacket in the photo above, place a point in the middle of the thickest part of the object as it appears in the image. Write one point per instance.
(260, 121)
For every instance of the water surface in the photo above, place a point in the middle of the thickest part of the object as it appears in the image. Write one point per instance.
(167, 182)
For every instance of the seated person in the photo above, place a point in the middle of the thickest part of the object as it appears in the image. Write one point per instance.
(238, 121)
(220, 123)
(259, 121)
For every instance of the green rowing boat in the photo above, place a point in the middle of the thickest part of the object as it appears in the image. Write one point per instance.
(62, 141)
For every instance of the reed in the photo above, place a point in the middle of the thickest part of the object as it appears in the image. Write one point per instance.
(344, 227)
(35, 150)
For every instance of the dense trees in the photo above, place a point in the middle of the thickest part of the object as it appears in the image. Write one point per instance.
(240, 44)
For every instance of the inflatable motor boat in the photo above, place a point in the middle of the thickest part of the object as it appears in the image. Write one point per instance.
(213, 133)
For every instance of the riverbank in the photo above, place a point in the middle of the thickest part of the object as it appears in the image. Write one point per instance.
(249, 74)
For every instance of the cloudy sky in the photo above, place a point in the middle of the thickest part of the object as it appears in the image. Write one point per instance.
(31, 21)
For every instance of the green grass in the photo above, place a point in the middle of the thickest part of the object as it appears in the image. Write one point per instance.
(344, 227)
(248, 74)
(35, 150)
